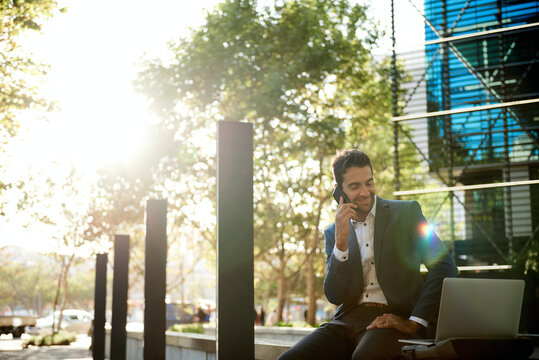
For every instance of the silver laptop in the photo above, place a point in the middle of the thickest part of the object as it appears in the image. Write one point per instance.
(477, 308)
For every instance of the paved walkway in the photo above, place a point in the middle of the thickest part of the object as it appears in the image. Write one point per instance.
(12, 349)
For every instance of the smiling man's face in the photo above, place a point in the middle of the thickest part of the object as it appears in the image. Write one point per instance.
(358, 185)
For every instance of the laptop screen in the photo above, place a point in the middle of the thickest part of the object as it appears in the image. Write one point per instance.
(479, 308)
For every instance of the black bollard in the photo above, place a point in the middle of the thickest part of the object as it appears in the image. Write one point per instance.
(235, 285)
(155, 280)
(118, 334)
(100, 301)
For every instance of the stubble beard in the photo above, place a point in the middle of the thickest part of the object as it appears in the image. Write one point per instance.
(363, 210)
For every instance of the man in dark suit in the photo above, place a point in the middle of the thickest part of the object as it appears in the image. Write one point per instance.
(374, 251)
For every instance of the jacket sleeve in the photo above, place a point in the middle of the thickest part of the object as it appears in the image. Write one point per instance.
(337, 280)
(436, 258)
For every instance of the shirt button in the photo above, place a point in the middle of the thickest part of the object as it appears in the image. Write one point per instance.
(367, 295)
(364, 224)
(367, 245)
(372, 283)
(372, 262)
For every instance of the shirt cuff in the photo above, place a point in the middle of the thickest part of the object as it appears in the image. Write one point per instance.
(419, 321)
(340, 255)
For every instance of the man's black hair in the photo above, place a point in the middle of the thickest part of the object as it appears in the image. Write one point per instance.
(347, 158)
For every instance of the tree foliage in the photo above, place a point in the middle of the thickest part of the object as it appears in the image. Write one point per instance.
(17, 92)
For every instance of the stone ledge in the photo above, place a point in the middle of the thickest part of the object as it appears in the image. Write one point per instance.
(267, 351)
(203, 343)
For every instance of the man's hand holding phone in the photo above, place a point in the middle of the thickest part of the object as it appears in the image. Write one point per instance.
(345, 212)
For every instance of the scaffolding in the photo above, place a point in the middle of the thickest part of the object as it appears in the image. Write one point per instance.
(471, 112)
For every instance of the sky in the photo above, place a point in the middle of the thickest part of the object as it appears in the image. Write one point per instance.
(93, 51)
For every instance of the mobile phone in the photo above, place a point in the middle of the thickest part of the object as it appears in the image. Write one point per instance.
(337, 193)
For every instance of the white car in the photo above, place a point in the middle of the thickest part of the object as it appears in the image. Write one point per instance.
(76, 321)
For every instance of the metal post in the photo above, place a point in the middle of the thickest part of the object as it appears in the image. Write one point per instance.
(155, 280)
(448, 132)
(508, 201)
(118, 335)
(100, 301)
(235, 262)
(395, 99)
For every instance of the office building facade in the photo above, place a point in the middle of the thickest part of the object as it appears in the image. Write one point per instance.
(471, 109)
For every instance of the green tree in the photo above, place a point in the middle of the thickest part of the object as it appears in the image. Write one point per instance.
(303, 73)
(29, 280)
(26, 279)
(51, 201)
(64, 209)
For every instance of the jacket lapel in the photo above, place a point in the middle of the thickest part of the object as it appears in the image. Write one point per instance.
(355, 254)
(380, 220)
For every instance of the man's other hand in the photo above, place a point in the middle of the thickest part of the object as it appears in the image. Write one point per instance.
(392, 321)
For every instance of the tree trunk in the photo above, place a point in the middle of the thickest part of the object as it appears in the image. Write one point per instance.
(311, 298)
(65, 293)
(310, 276)
(281, 294)
(56, 299)
(62, 283)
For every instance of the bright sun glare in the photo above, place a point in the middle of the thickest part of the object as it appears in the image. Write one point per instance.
(93, 51)
(93, 56)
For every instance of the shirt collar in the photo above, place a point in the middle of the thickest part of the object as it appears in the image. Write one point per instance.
(373, 210)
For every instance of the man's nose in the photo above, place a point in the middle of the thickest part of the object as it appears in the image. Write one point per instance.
(363, 191)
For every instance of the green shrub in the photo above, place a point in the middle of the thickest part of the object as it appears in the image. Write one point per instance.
(296, 324)
(301, 324)
(62, 338)
(187, 328)
(284, 324)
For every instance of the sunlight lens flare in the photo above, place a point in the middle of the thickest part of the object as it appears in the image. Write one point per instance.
(426, 230)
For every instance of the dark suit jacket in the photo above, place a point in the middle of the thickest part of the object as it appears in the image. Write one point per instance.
(400, 246)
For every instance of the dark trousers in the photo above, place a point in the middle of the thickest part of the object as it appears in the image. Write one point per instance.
(346, 338)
